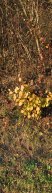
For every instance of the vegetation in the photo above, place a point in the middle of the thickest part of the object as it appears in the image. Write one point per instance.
(25, 96)
(30, 104)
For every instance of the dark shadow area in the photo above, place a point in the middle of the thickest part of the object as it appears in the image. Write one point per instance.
(46, 111)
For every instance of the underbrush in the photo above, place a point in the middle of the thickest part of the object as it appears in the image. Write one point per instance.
(30, 104)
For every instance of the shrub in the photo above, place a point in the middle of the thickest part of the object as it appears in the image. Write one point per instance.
(29, 104)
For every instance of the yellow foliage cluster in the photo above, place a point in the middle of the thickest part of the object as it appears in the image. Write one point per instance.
(46, 101)
(30, 104)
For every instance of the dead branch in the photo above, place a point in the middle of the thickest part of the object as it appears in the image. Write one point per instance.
(38, 47)
(38, 32)
(30, 29)
(25, 47)
(24, 11)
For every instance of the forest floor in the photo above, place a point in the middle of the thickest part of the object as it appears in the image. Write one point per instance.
(25, 145)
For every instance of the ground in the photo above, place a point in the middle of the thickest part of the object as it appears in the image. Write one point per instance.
(25, 145)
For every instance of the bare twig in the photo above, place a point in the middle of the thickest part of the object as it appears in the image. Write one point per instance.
(30, 29)
(38, 32)
(31, 12)
(36, 11)
(38, 47)
(25, 47)
(24, 11)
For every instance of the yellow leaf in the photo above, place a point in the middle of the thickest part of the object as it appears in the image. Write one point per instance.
(36, 102)
(20, 94)
(37, 109)
(28, 108)
(25, 95)
(10, 92)
(17, 100)
(33, 95)
(14, 97)
(21, 102)
(31, 108)
(29, 116)
(19, 79)
(22, 88)
(33, 115)
(22, 111)
(16, 89)
(30, 98)
(34, 105)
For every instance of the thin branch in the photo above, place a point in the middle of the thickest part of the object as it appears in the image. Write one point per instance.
(30, 30)
(24, 11)
(31, 13)
(38, 47)
(36, 11)
(38, 32)
(25, 47)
